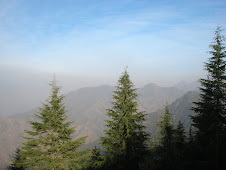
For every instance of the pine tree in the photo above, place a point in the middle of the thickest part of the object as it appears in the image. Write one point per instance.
(190, 136)
(166, 128)
(210, 118)
(166, 145)
(96, 159)
(179, 136)
(50, 144)
(16, 159)
(179, 141)
(190, 153)
(125, 138)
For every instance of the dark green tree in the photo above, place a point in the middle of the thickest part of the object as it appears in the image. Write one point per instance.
(166, 145)
(179, 142)
(50, 144)
(210, 117)
(179, 136)
(190, 155)
(166, 128)
(190, 136)
(125, 138)
(96, 159)
(16, 159)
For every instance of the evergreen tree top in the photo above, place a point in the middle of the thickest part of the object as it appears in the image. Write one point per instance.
(166, 118)
(216, 63)
(166, 127)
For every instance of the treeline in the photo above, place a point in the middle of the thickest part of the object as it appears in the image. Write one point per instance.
(127, 145)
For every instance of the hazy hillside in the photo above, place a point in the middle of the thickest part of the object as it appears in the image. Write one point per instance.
(180, 110)
(87, 107)
(153, 97)
(11, 130)
(192, 86)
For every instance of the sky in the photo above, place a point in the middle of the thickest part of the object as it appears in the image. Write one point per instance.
(90, 42)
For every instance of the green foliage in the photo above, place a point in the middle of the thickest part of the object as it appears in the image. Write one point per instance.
(166, 129)
(125, 138)
(179, 142)
(210, 118)
(179, 136)
(166, 145)
(210, 110)
(15, 161)
(50, 144)
(96, 159)
(190, 136)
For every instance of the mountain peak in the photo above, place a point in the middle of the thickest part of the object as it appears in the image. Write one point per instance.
(150, 85)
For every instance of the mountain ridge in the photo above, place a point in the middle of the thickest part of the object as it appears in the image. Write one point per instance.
(87, 107)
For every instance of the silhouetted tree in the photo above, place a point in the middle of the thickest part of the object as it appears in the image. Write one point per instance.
(166, 145)
(190, 136)
(179, 141)
(210, 117)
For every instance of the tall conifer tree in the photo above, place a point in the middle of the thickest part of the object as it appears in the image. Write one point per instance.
(166, 147)
(179, 136)
(50, 144)
(16, 159)
(190, 138)
(166, 128)
(179, 142)
(95, 159)
(210, 118)
(125, 138)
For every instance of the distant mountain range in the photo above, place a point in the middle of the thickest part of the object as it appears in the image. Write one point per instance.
(188, 86)
(87, 107)
(180, 109)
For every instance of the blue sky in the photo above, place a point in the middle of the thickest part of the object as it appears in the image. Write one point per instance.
(99, 38)
(163, 42)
